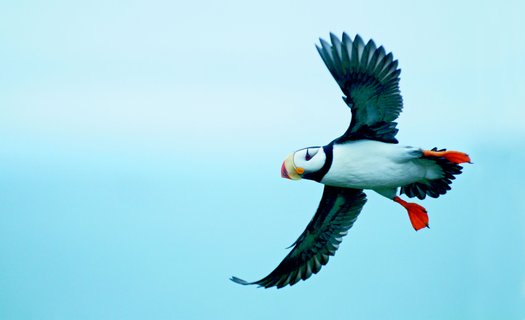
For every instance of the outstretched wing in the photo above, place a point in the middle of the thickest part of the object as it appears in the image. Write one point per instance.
(369, 78)
(337, 212)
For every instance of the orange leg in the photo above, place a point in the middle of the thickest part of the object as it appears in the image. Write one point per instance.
(417, 214)
(452, 156)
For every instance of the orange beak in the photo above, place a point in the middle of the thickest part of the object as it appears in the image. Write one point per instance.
(289, 170)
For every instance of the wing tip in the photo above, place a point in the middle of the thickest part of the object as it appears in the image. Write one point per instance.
(240, 281)
(358, 39)
(346, 55)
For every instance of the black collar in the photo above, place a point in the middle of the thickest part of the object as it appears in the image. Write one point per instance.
(319, 174)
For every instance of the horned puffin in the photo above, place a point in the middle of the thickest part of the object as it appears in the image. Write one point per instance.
(366, 156)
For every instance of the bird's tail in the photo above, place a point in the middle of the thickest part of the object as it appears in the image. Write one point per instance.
(449, 162)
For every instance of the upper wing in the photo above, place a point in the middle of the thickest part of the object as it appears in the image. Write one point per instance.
(369, 78)
(337, 212)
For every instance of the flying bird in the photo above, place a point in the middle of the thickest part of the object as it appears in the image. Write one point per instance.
(366, 156)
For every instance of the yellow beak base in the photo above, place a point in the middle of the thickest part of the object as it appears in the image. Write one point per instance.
(289, 170)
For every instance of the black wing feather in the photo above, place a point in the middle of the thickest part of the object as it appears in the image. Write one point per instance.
(369, 78)
(337, 212)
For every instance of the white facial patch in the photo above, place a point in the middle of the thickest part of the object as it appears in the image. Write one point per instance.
(310, 159)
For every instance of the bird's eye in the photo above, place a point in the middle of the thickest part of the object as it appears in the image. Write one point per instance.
(308, 156)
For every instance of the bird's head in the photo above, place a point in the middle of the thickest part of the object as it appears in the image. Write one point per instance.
(301, 163)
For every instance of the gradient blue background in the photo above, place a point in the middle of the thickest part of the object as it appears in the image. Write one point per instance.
(141, 143)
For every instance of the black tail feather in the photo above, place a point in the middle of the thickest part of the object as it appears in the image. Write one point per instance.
(434, 188)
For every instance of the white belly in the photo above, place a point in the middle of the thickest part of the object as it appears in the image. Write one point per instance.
(367, 164)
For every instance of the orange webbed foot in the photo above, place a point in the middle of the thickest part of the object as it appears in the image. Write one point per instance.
(452, 156)
(417, 214)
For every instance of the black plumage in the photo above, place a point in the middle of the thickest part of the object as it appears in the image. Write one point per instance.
(437, 187)
(369, 78)
(337, 212)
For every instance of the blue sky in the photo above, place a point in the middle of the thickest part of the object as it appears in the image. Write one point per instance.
(142, 143)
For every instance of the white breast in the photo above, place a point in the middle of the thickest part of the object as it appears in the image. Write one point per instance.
(367, 164)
